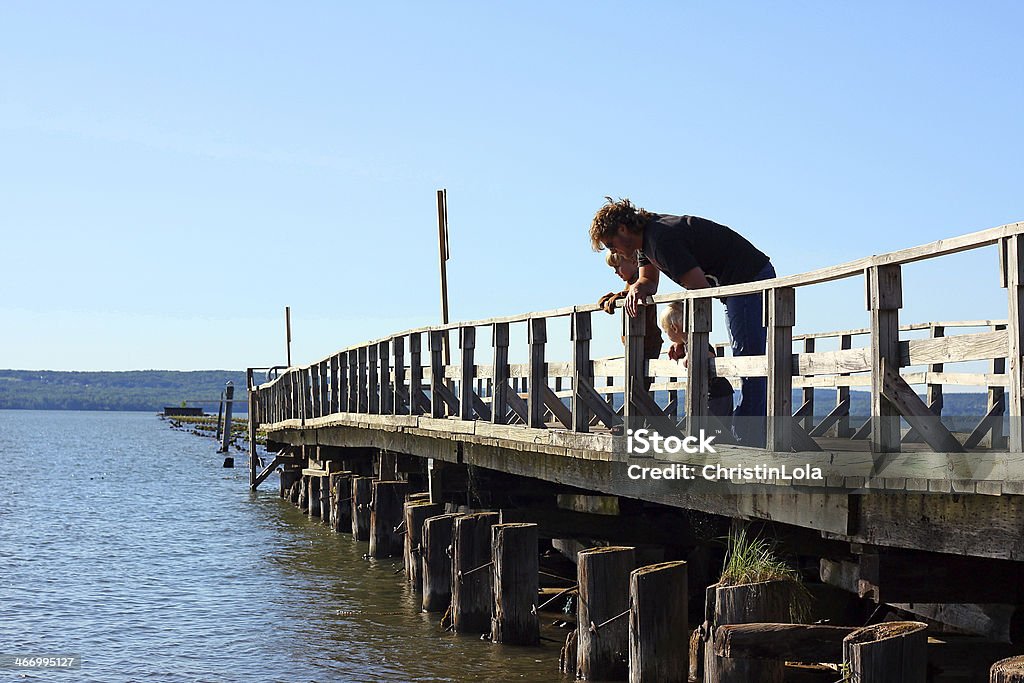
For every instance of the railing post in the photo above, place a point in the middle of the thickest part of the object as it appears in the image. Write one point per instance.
(1012, 248)
(314, 385)
(325, 395)
(538, 337)
(842, 428)
(633, 329)
(467, 346)
(361, 368)
(437, 405)
(353, 382)
(372, 370)
(807, 394)
(780, 317)
(383, 354)
(499, 398)
(933, 394)
(996, 396)
(335, 404)
(582, 371)
(698, 313)
(415, 374)
(398, 351)
(885, 298)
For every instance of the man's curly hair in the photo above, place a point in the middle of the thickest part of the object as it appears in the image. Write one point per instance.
(613, 214)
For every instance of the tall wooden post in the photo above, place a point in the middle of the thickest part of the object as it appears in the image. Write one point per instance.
(582, 370)
(471, 580)
(658, 647)
(698, 338)
(288, 333)
(362, 368)
(336, 375)
(603, 575)
(229, 395)
(372, 376)
(437, 562)
(499, 397)
(352, 399)
(1013, 279)
(415, 374)
(779, 319)
(890, 652)
(885, 299)
(253, 421)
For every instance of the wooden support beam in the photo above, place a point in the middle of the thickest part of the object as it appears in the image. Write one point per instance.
(352, 393)
(912, 435)
(499, 400)
(362, 498)
(884, 299)
(782, 642)
(582, 370)
(603, 577)
(989, 426)
(996, 437)
(386, 514)
(808, 393)
(515, 567)
(901, 397)
(516, 403)
(538, 337)
(337, 374)
(437, 564)
(267, 471)
(633, 329)
(843, 429)
(471, 579)
(558, 409)
(780, 317)
(649, 411)
(363, 369)
(842, 410)
(586, 394)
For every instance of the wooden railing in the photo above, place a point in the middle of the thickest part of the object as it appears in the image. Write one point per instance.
(406, 374)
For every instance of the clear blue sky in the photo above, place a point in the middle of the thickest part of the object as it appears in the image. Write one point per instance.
(173, 174)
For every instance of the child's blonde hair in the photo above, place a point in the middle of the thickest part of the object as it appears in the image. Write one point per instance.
(671, 318)
(615, 260)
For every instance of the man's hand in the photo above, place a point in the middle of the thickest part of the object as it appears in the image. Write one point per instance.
(607, 302)
(633, 299)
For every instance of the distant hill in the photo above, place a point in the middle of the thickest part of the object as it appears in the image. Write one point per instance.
(148, 390)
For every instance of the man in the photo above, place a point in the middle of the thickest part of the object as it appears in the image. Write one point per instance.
(695, 253)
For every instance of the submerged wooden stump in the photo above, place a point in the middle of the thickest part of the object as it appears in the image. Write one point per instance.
(471, 584)
(386, 515)
(658, 647)
(603, 647)
(890, 652)
(516, 584)
(362, 494)
(1007, 671)
(767, 601)
(437, 562)
(416, 512)
(341, 501)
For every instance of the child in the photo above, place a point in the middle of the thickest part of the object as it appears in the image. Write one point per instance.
(719, 388)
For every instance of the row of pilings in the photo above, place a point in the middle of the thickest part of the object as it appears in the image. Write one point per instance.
(631, 622)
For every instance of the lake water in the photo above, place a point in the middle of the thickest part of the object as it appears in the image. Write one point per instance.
(126, 543)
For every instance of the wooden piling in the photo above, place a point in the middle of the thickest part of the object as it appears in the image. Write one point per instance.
(516, 583)
(1007, 671)
(766, 601)
(603, 645)
(386, 515)
(437, 562)
(890, 652)
(325, 499)
(362, 495)
(416, 512)
(471, 584)
(341, 501)
(303, 501)
(313, 497)
(658, 647)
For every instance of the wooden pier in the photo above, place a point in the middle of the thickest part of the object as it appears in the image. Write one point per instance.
(907, 511)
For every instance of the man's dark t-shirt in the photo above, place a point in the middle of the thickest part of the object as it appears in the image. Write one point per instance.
(677, 244)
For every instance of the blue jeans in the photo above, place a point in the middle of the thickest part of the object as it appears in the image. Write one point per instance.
(749, 337)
